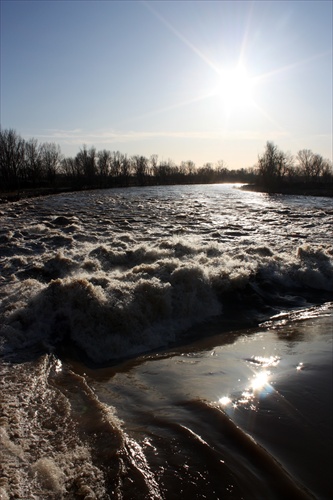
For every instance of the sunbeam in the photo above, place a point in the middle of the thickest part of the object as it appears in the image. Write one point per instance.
(235, 88)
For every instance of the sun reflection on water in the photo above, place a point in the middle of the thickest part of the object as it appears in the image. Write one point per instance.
(259, 385)
(266, 361)
(225, 400)
(260, 380)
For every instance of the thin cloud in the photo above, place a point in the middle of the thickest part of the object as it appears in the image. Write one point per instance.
(78, 136)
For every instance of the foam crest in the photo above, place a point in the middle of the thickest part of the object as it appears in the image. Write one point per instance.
(49, 475)
(150, 301)
(58, 440)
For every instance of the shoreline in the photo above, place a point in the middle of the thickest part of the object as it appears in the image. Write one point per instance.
(24, 194)
(303, 190)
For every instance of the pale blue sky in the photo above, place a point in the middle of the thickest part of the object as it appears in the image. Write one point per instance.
(200, 81)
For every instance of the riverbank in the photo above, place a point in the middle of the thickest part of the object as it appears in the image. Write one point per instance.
(17, 195)
(303, 189)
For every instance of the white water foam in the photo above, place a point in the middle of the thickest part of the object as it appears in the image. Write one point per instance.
(124, 271)
(115, 305)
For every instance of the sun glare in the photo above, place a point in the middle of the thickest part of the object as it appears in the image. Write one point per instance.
(260, 380)
(225, 400)
(235, 87)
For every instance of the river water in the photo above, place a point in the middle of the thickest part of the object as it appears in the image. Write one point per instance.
(166, 342)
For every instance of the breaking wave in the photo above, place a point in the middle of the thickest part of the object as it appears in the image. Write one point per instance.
(118, 303)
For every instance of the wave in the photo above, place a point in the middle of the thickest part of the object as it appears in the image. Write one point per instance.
(59, 441)
(119, 300)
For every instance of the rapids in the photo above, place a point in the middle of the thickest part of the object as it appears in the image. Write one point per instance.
(132, 323)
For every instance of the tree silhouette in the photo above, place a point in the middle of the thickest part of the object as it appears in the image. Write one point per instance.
(11, 159)
(30, 165)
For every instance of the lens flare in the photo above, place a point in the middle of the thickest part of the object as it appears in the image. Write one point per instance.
(224, 401)
(260, 380)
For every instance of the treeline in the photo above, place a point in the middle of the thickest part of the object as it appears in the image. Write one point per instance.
(278, 171)
(27, 164)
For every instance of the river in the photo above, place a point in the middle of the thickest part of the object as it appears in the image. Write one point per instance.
(166, 342)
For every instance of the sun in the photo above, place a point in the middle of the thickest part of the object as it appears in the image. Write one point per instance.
(235, 87)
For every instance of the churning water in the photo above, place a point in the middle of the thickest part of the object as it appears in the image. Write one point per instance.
(166, 342)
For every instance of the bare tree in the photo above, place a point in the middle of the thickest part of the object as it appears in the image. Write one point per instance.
(327, 172)
(165, 172)
(153, 163)
(104, 163)
(125, 169)
(206, 173)
(33, 163)
(188, 167)
(70, 169)
(11, 159)
(304, 159)
(140, 164)
(51, 159)
(116, 165)
(272, 165)
(221, 169)
(87, 165)
(312, 166)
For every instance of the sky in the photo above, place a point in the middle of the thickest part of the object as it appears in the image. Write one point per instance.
(185, 80)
